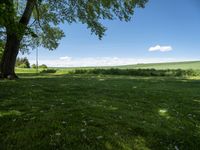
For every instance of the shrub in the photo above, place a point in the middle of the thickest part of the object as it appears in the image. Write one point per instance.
(81, 71)
(33, 66)
(139, 72)
(43, 66)
(48, 71)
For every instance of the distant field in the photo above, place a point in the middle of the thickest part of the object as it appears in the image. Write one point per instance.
(170, 65)
(178, 69)
(174, 65)
(195, 65)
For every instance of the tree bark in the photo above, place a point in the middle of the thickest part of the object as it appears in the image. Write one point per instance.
(9, 57)
(7, 67)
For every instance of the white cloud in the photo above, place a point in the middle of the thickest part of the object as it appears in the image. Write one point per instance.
(100, 61)
(160, 48)
(65, 58)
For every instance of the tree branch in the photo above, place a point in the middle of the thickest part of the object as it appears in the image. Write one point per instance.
(38, 14)
(27, 12)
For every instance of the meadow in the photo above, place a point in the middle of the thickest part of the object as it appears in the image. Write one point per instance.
(99, 112)
(195, 65)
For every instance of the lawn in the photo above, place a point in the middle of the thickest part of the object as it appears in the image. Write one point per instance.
(83, 112)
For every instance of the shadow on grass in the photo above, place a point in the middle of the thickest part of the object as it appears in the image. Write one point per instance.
(99, 112)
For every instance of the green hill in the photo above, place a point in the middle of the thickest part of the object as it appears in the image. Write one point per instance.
(172, 65)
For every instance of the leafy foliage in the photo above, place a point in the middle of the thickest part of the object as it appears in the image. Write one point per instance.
(33, 66)
(22, 63)
(44, 30)
(48, 71)
(138, 72)
(43, 66)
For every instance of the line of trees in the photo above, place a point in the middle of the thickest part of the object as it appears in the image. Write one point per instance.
(43, 66)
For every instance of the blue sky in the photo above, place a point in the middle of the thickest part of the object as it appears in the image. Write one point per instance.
(171, 28)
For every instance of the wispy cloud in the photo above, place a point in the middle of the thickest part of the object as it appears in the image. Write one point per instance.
(99, 61)
(65, 58)
(160, 48)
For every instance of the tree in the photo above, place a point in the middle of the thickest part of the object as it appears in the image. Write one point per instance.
(33, 66)
(33, 23)
(22, 63)
(43, 66)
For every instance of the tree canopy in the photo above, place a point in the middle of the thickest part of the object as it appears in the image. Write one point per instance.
(43, 28)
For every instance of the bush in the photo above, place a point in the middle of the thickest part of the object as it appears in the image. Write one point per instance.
(139, 72)
(43, 66)
(33, 66)
(48, 71)
(81, 71)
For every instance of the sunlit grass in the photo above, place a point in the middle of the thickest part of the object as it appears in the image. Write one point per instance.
(12, 112)
(164, 113)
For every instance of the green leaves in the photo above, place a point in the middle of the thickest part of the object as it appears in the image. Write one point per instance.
(51, 37)
(43, 30)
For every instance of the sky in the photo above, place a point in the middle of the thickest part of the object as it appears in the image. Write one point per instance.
(164, 31)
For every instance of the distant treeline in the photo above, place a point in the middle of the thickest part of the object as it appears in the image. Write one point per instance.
(138, 72)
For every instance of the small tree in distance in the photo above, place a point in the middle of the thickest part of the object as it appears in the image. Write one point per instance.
(43, 66)
(22, 63)
(33, 66)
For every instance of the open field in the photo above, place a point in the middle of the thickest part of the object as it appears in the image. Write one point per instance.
(195, 65)
(81, 112)
(85, 75)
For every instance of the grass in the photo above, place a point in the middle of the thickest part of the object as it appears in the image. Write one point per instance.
(195, 65)
(99, 112)
(187, 65)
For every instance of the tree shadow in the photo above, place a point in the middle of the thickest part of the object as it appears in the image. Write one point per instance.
(128, 112)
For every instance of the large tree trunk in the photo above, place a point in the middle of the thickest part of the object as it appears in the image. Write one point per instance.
(9, 57)
(7, 67)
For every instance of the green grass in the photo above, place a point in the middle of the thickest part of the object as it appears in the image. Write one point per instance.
(195, 65)
(83, 112)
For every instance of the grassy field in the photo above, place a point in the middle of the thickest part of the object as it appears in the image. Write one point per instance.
(83, 112)
(173, 65)
(195, 65)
